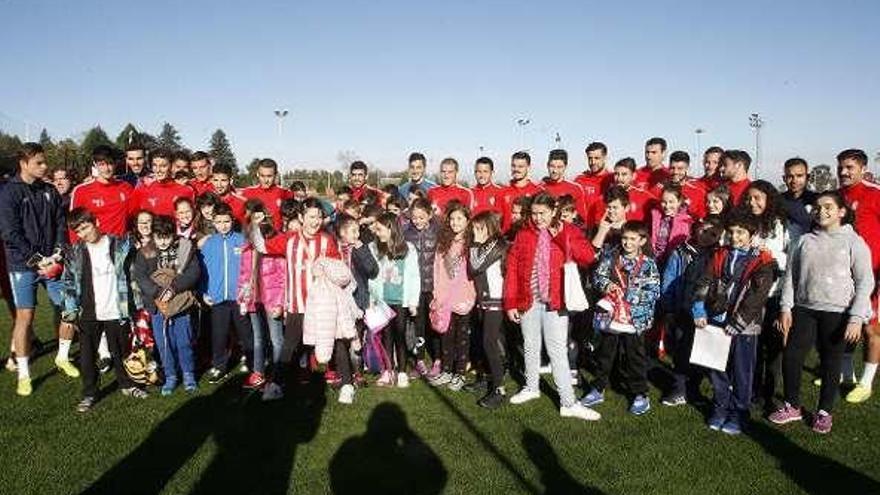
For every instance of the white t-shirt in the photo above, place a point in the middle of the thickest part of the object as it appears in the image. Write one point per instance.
(103, 280)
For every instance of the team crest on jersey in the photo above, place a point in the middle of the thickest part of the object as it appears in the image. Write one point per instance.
(153, 201)
(492, 201)
(855, 205)
(98, 202)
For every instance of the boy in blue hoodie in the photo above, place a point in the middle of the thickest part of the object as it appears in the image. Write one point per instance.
(731, 294)
(221, 255)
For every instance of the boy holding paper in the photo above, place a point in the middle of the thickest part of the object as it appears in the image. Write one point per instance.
(731, 295)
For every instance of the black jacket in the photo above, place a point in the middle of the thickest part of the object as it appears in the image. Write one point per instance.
(480, 259)
(425, 242)
(32, 221)
(146, 263)
(364, 268)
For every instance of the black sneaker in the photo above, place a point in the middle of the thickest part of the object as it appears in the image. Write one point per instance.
(215, 375)
(494, 399)
(104, 365)
(478, 386)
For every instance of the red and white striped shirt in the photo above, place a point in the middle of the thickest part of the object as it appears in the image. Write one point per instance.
(300, 252)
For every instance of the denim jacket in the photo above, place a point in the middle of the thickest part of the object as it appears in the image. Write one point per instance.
(72, 277)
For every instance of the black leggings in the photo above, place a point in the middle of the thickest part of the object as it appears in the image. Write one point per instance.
(824, 330)
(342, 359)
(423, 327)
(456, 344)
(293, 337)
(394, 339)
(493, 347)
(768, 366)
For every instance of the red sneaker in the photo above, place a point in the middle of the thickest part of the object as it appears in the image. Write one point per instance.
(254, 381)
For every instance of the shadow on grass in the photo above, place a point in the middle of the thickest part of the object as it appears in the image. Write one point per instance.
(388, 458)
(255, 443)
(813, 473)
(555, 479)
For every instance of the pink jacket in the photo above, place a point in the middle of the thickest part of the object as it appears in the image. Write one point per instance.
(678, 233)
(451, 294)
(270, 283)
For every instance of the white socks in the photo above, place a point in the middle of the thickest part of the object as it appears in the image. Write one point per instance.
(868, 375)
(24, 371)
(63, 350)
(103, 349)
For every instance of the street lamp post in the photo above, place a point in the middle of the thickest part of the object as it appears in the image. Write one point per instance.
(522, 123)
(280, 114)
(756, 122)
(699, 131)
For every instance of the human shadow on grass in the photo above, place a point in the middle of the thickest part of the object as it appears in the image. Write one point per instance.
(554, 477)
(388, 458)
(255, 442)
(813, 473)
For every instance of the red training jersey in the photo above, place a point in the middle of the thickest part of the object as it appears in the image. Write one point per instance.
(201, 186)
(236, 203)
(738, 190)
(560, 188)
(271, 198)
(110, 202)
(646, 178)
(486, 197)
(694, 197)
(709, 182)
(509, 194)
(864, 199)
(440, 196)
(159, 196)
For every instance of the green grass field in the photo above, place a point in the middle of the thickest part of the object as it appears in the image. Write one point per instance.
(417, 440)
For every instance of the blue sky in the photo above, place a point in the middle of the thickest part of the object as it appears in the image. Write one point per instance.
(383, 78)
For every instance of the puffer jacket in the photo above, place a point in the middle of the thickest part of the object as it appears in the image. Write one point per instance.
(267, 288)
(425, 242)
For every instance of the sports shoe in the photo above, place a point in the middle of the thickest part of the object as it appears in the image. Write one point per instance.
(456, 383)
(402, 380)
(24, 387)
(332, 378)
(85, 405)
(822, 422)
(215, 375)
(272, 391)
(421, 368)
(346, 394)
(674, 400)
(168, 388)
(593, 398)
(716, 422)
(786, 414)
(244, 367)
(493, 400)
(386, 379)
(732, 426)
(524, 396)
(254, 381)
(135, 393)
(11, 365)
(67, 367)
(641, 404)
(441, 379)
(435, 370)
(577, 410)
(858, 394)
(104, 365)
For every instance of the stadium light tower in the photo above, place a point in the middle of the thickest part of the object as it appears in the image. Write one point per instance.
(522, 122)
(756, 122)
(699, 131)
(280, 114)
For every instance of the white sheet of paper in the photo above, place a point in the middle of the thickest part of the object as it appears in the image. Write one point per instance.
(711, 348)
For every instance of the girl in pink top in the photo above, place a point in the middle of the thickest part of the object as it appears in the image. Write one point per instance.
(670, 223)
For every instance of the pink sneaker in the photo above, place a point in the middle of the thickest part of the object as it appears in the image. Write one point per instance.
(822, 423)
(386, 379)
(435, 370)
(421, 368)
(786, 414)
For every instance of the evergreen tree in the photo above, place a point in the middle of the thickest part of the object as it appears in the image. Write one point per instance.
(221, 150)
(9, 147)
(45, 140)
(128, 135)
(169, 137)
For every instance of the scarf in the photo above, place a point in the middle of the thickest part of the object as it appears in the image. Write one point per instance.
(542, 258)
(454, 258)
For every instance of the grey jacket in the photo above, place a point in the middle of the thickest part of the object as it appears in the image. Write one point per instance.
(830, 272)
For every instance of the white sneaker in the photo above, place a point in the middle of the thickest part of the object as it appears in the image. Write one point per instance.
(576, 410)
(524, 396)
(545, 370)
(402, 380)
(346, 394)
(272, 391)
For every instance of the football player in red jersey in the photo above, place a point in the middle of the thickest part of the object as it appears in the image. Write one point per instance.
(735, 171)
(863, 198)
(158, 196)
(692, 190)
(654, 172)
(357, 181)
(487, 194)
(267, 191)
(596, 179)
(107, 198)
(221, 181)
(711, 168)
(449, 189)
(202, 177)
(556, 184)
(520, 185)
(640, 200)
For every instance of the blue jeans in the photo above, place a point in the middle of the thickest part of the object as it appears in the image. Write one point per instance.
(276, 336)
(175, 347)
(739, 375)
(538, 321)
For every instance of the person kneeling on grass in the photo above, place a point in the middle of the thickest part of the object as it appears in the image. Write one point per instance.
(629, 280)
(96, 297)
(826, 298)
(167, 272)
(533, 298)
(731, 294)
